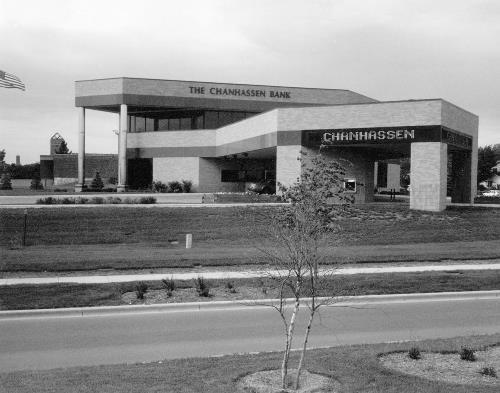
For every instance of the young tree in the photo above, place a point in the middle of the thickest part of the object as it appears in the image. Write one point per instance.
(97, 183)
(297, 231)
(36, 183)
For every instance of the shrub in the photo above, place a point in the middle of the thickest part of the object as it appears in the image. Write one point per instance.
(168, 284)
(112, 180)
(140, 289)
(81, 200)
(488, 371)
(5, 183)
(113, 200)
(174, 186)
(230, 287)
(108, 189)
(159, 186)
(97, 200)
(67, 201)
(186, 185)
(202, 287)
(147, 200)
(46, 201)
(97, 184)
(414, 353)
(468, 354)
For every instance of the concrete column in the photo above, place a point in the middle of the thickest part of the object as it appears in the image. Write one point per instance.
(428, 176)
(122, 150)
(288, 168)
(81, 150)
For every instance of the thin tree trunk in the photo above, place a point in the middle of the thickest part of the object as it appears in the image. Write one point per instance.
(304, 347)
(286, 356)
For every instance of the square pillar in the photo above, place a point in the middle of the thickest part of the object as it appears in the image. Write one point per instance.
(80, 185)
(288, 167)
(428, 176)
(122, 150)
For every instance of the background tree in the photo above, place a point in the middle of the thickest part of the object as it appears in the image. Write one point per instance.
(27, 171)
(486, 159)
(63, 148)
(5, 183)
(297, 231)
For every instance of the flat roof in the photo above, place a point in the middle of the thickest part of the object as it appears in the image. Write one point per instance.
(108, 93)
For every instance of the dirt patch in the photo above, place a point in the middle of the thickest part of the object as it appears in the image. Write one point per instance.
(447, 367)
(270, 382)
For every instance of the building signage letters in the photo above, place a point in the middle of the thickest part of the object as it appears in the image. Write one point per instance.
(336, 136)
(386, 135)
(455, 139)
(237, 92)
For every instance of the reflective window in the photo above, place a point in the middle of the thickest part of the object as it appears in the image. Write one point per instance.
(140, 124)
(173, 124)
(150, 124)
(162, 124)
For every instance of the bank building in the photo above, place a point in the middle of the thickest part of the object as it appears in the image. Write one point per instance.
(224, 136)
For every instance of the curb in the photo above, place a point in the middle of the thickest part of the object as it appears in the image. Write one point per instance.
(228, 305)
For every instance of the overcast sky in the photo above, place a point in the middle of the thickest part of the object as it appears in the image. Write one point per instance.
(388, 50)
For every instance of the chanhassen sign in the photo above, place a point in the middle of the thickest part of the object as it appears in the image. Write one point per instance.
(380, 135)
(386, 135)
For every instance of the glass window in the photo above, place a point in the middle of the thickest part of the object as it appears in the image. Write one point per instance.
(131, 123)
(233, 176)
(198, 122)
(237, 116)
(173, 124)
(211, 120)
(225, 118)
(162, 124)
(140, 124)
(185, 123)
(150, 124)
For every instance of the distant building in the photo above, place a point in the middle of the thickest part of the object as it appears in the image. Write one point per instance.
(494, 180)
(60, 169)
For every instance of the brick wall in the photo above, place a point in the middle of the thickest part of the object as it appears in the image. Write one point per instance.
(167, 169)
(66, 166)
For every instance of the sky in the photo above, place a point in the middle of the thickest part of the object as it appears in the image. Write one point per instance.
(384, 49)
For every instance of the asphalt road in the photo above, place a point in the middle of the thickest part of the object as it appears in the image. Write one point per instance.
(42, 342)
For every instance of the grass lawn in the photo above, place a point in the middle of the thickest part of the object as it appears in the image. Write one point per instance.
(109, 237)
(86, 295)
(370, 224)
(356, 368)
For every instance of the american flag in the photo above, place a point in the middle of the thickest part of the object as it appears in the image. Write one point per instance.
(10, 81)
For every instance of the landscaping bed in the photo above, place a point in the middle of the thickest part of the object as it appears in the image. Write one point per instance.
(352, 369)
(88, 295)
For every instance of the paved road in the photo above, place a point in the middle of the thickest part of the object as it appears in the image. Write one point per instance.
(61, 341)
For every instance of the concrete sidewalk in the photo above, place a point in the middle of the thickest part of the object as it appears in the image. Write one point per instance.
(252, 273)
